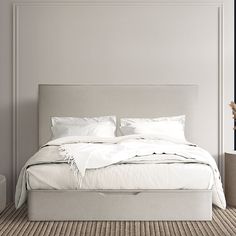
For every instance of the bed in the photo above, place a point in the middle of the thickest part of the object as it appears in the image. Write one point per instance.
(52, 188)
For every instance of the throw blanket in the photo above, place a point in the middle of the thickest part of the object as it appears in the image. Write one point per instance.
(90, 152)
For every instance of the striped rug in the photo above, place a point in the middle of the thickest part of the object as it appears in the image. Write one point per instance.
(15, 223)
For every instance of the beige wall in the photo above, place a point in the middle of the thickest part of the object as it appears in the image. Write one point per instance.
(47, 34)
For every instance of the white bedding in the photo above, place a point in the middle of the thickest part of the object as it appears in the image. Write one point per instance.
(169, 126)
(104, 126)
(122, 176)
(86, 153)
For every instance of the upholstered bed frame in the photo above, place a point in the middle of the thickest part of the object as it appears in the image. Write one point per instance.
(122, 101)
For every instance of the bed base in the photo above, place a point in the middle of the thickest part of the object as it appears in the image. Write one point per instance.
(120, 205)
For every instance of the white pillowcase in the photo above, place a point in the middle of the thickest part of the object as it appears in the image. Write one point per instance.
(81, 120)
(166, 127)
(75, 126)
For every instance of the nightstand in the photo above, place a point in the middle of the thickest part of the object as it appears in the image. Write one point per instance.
(230, 178)
(2, 192)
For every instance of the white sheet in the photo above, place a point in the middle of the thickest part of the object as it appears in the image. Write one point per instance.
(122, 176)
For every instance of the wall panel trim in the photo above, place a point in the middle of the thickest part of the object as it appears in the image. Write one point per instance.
(15, 88)
(221, 89)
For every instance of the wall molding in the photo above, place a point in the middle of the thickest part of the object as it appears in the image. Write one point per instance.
(16, 78)
(221, 89)
(15, 92)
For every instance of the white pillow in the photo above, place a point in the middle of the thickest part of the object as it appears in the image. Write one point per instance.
(81, 120)
(169, 127)
(75, 126)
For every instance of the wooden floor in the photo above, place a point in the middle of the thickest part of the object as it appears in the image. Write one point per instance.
(15, 223)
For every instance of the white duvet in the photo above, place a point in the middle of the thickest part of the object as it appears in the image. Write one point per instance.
(90, 153)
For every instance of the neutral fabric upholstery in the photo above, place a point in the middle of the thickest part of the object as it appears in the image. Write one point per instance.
(140, 101)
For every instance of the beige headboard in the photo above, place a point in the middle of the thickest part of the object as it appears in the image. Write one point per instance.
(120, 100)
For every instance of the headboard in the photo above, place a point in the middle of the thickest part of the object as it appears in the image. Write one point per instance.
(120, 100)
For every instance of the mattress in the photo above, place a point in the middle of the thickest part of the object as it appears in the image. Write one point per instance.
(122, 176)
